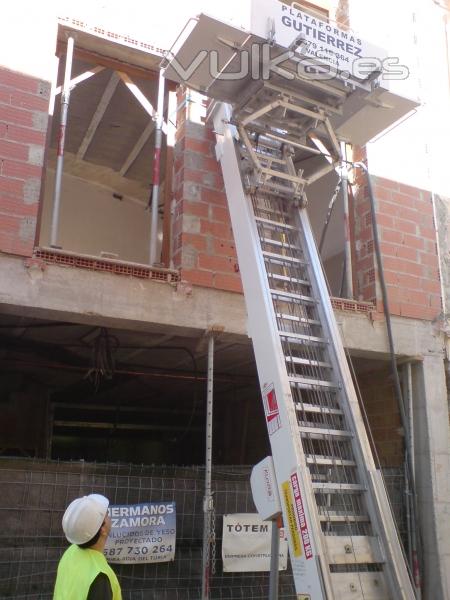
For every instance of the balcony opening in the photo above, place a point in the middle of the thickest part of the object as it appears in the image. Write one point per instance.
(108, 174)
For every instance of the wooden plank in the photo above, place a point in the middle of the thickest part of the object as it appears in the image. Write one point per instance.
(106, 61)
(137, 148)
(80, 78)
(140, 97)
(98, 115)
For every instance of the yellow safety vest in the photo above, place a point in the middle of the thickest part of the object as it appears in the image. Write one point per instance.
(77, 569)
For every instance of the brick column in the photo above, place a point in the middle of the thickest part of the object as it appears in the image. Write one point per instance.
(24, 104)
(364, 263)
(203, 247)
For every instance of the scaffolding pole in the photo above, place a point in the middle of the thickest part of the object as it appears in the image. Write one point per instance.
(157, 169)
(410, 414)
(348, 248)
(65, 99)
(208, 504)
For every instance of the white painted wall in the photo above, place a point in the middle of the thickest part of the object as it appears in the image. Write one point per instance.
(415, 152)
(92, 221)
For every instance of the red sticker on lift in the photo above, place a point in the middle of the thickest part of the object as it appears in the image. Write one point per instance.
(271, 409)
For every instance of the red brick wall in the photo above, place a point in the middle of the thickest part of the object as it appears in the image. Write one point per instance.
(23, 125)
(203, 247)
(364, 263)
(408, 246)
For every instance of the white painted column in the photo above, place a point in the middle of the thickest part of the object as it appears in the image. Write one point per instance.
(432, 473)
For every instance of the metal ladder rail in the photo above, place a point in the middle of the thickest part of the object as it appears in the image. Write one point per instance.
(397, 577)
(303, 343)
(346, 472)
(333, 476)
(321, 427)
(320, 447)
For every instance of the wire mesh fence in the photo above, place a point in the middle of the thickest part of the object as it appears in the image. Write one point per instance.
(34, 495)
(394, 479)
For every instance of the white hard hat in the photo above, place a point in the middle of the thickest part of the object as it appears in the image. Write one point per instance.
(84, 517)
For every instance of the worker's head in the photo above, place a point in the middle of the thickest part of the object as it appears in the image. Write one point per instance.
(86, 520)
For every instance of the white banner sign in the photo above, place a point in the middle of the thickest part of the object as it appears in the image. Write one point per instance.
(246, 544)
(322, 40)
(141, 533)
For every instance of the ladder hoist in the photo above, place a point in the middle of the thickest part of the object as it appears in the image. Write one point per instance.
(342, 538)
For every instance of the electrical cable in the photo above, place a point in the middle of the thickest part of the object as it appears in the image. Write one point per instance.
(329, 214)
(103, 360)
(195, 392)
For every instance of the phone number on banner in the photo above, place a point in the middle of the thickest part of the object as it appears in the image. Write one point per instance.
(142, 533)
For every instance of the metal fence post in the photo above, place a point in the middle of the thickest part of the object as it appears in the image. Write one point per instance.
(274, 561)
(208, 499)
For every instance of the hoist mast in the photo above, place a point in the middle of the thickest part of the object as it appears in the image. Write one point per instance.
(279, 128)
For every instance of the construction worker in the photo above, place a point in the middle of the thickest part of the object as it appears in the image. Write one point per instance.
(83, 573)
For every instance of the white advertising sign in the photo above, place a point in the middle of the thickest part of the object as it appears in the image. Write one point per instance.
(141, 533)
(323, 40)
(246, 544)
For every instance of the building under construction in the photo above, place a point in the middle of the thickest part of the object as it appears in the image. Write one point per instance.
(126, 247)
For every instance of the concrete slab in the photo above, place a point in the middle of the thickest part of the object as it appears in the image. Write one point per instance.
(82, 296)
(368, 338)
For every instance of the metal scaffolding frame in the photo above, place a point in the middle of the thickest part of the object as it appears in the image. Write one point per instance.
(157, 123)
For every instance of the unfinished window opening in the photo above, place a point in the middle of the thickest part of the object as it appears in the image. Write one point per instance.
(118, 395)
(329, 223)
(109, 169)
